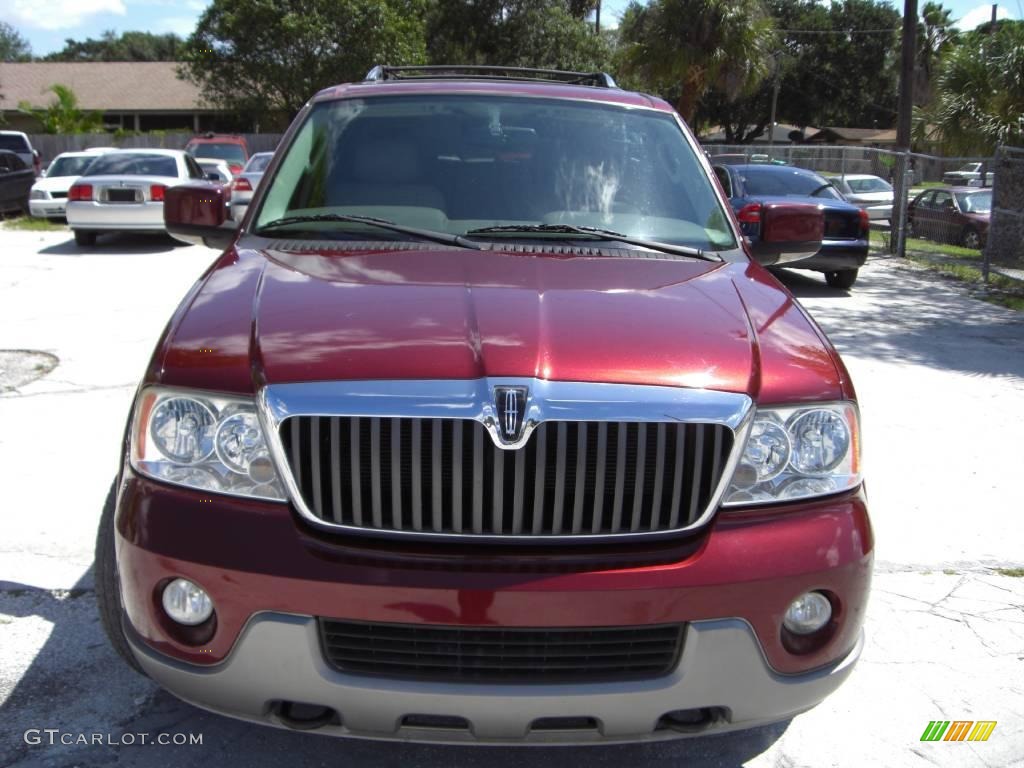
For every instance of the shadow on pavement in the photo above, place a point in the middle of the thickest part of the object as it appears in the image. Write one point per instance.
(914, 316)
(116, 243)
(75, 683)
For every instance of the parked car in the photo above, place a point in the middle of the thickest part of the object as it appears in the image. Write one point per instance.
(233, 149)
(245, 184)
(216, 170)
(845, 246)
(487, 427)
(872, 193)
(49, 194)
(968, 175)
(956, 215)
(15, 182)
(124, 191)
(18, 142)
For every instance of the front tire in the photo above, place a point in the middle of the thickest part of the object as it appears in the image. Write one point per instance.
(84, 238)
(108, 586)
(842, 279)
(970, 238)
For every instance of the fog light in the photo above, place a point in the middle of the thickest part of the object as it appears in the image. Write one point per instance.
(807, 614)
(187, 603)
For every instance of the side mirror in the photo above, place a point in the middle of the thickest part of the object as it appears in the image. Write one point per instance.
(196, 214)
(788, 231)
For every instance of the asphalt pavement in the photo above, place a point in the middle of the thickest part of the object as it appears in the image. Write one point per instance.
(940, 378)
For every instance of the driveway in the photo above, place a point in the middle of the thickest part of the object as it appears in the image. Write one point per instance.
(941, 384)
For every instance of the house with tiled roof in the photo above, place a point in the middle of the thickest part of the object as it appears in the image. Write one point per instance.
(131, 95)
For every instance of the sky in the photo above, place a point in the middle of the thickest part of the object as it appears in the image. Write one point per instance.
(46, 23)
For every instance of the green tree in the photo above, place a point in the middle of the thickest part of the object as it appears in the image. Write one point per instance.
(936, 36)
(128, 46)
(13, 47)
(63, 114)
(979, 99)
(256, 56)
(686, 47)
(517, 33)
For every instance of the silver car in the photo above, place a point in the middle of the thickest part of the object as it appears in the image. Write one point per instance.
(244, 185)
(124, 191)
(872, 193)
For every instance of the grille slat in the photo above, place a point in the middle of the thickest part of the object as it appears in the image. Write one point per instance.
(480, 654)
(446, 476)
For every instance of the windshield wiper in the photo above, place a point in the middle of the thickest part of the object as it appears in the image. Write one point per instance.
(596, 232)
(424, 234)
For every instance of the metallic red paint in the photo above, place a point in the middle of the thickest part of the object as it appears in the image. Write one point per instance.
(750, 566)
(200, 204)
(458, 314)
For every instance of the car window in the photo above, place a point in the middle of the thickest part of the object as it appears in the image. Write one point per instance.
(258, 163)
(4, 164)
(14, 143)
(771, 182)
(462, 162)
(942, 200)
(133, 164)
(723, 179)
(975, 202)
(230, 152)
(868, 185)
(68, 166)
(195, 171)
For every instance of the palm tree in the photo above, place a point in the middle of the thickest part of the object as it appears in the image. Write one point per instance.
(63, 115)
(686, 47)
(936, 36)
(979, 100)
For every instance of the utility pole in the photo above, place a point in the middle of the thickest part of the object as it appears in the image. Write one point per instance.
(903, 122)
(597, 19)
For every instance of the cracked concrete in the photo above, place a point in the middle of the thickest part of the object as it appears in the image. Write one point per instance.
(945, 633)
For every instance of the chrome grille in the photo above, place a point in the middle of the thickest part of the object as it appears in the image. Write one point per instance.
(447, 476)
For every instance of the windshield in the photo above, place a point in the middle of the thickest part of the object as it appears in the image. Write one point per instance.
(258, 163)
(460, 163)
(69, 166)
(869, 185)
(975, 202)
(132, 164)
(787, 182)
(231, 152)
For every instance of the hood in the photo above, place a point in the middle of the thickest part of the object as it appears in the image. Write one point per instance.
(280, 316)
(55, 183)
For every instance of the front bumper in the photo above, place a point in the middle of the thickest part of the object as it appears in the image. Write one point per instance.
(269, 576)
(47, 209)
(278, 659)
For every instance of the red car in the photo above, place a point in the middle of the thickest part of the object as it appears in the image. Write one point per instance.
(488, 427)
(216, 146)
(958, 215)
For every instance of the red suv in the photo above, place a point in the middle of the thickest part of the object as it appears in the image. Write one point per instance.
(488, 426)
(233, 149)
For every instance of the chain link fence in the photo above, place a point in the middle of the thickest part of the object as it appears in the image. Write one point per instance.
(1006, 232)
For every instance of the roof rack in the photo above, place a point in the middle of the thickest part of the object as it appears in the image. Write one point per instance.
(381, 73)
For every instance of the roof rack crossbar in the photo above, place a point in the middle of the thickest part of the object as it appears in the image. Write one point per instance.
(481, 72)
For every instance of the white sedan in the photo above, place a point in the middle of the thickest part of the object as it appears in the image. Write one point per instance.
(124, 191)
(50, 191)
(872, 193)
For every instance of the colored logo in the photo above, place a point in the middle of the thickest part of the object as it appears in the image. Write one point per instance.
(959, 730)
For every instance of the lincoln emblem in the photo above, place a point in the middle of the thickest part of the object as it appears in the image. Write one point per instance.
(510, 406)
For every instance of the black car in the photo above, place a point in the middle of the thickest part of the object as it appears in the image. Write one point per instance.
(844, 248)
(16, 180)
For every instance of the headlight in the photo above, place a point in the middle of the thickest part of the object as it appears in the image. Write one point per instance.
(39, 194)
(797, 453)
(207, 442)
